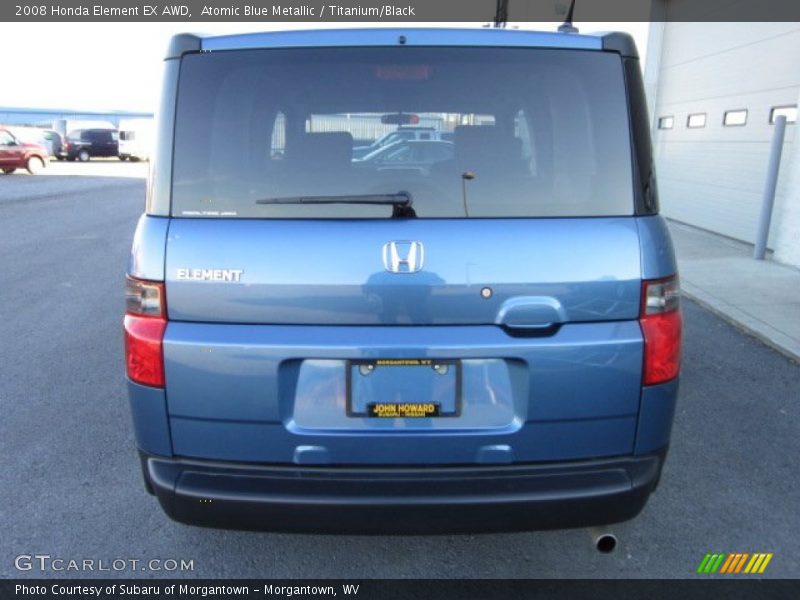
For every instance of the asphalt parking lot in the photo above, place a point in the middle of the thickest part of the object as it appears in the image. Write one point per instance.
(70, 485)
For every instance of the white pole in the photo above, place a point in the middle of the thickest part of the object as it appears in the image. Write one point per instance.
(762, 233)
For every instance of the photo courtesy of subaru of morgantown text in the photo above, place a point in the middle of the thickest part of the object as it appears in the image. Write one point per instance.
(414, 272)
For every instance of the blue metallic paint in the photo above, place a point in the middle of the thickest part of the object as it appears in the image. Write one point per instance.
(656, 414)
(150, 424)
(242, 364)
(274, 444)
(658, 255)
(147, 256)
(260, 391)
(540, 270)
(231, 381)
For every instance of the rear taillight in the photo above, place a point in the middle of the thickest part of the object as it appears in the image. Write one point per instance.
(661, 322)
(145, 322)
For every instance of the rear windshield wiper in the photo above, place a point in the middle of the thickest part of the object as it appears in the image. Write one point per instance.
(401, 201)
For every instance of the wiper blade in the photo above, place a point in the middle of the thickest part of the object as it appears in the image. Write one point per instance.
(401, 201)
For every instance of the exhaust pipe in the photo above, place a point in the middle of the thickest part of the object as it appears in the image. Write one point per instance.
(604, 541)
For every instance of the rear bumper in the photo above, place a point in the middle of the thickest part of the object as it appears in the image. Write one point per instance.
(403, 499)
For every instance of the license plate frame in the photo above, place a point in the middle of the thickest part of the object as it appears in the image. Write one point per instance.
(422, 408)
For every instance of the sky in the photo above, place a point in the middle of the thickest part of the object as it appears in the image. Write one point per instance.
(117, 66)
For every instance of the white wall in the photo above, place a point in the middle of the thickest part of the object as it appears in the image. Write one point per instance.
(713, 177)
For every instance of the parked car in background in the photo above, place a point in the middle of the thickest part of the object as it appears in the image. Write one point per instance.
(35, 135)
(16, 154)
(135, 139)
(54, 142)
(84, 144)
(407, 154)
(402, 134)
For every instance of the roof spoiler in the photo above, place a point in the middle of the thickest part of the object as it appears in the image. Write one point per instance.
(181, 44)
(619, 42)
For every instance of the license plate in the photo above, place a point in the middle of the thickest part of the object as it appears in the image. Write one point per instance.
(403, 388)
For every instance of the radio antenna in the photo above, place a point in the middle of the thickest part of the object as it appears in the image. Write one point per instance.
(501, 14)
(567, 26)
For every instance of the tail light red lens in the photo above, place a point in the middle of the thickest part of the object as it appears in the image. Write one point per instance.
(661, 323)
(145, 323)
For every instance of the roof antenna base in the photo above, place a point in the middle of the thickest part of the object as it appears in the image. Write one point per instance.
(501, 14)
(567, 26)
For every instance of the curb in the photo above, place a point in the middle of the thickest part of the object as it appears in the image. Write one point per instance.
(744, 322)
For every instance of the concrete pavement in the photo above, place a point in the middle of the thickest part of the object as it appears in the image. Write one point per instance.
(761, 297)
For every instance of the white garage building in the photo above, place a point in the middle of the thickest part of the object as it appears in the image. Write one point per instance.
(714, 89)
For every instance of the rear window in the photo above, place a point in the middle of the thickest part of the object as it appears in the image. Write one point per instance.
(515, 132)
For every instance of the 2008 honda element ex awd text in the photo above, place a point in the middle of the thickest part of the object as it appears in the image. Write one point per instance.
(316, 343)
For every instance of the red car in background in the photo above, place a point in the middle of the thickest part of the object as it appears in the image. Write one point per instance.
(16, 154)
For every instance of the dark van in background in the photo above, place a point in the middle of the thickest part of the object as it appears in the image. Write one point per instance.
(83, 144)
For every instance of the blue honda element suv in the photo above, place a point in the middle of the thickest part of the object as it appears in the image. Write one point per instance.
(490, 342)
